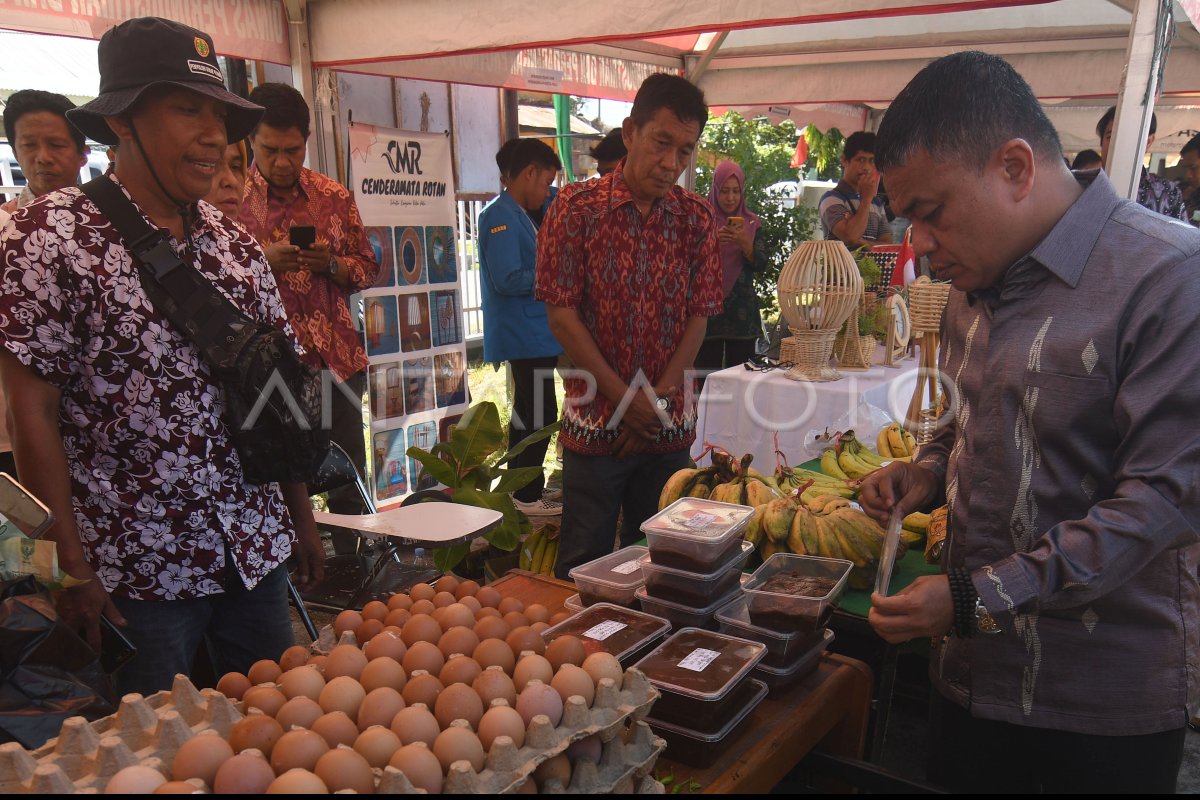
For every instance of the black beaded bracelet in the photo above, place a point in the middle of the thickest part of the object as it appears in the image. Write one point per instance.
(962, 594)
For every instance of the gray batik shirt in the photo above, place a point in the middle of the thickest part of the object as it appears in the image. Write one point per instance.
(1072, 468)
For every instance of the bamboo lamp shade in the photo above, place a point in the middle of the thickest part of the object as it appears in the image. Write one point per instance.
(819, 287)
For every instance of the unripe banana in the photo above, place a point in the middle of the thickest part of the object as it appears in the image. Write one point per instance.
(777, 518)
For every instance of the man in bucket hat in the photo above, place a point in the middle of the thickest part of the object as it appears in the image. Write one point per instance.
(118, 424)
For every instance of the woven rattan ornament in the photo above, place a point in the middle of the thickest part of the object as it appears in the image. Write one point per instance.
(819, 288)
(927, 300)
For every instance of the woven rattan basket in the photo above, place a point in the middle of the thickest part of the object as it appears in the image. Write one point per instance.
(819, 288)
(926, 302)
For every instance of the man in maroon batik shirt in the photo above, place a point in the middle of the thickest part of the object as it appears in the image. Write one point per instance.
(628, 269)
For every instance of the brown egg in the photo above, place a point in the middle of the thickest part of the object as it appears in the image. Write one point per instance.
(456, 614)
(587, 749)
(345, 769)
(492, 684)
(386, 644)
(421, 766)
(537, 612)
(571, 680)
(443, 599)
(528, 787)
(368, 630)
(491, 628)
(515, 619)
(486, 612)
(395, 630)
(264, 697)
(561, 616)
(458, 701)
(170, 787)
(495, 652)
(201, 757)
(319, 662)
(423, 607)
(489, 597)
(233, 685)
(397, 618)
(466, 589)
(538, 698)
(423, 655)
(565, 650)
(263, 671)
(422, 591)
(522, 639)
(398, 601)
(375, 610)
(302, 681)
(377, 745)
(337, 728)
(383, 672)
(603, 665)
(342, 694)
(421, 628)
(257, 731)
(539, 627)
(298, 781)
(421, 688)
(379, 707)
(470, 603)
(532, 667)
(507, 604)
(243, 774)
(446, 583)
(301, 712)
(294, 656)
(501, 721)
(297, 749)
(138, 779)
(345, 660)
(348, 620)
(556, 768)
(416, 724)
(459, 669)
(458, 744)
(458, 640)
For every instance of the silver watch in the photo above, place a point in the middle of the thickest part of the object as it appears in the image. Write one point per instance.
(663, 403)
(333, 266)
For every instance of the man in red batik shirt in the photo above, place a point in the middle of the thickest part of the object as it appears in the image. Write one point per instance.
(315, 283)
(628, 269)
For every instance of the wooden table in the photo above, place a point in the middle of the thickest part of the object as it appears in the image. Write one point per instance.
(827, 710)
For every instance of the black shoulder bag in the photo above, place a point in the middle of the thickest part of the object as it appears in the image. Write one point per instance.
(272, 398)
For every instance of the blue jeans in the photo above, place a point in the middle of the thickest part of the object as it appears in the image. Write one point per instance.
(242, 626)
(596, 489)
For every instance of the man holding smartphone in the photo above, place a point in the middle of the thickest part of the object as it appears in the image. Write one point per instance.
(312, 234)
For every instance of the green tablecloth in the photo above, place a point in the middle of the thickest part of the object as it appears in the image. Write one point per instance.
(911, 567)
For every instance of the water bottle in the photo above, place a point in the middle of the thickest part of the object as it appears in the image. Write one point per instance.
(420, 559)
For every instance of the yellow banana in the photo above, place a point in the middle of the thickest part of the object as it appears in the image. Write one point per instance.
(769, 548)
(676, 487)
(795, 537)
(867, 535)
(535, 547)
(848, 540)
(911, 537)
(853, 466)
(895, 437)
(881, 442)
(910, 442)
(827, 542)
(777, 518)
(759, 493)
(830, 465)
(917, 521)
(550, 558)
(754, 531)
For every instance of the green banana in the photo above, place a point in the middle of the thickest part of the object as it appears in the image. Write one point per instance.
(754, 531)
(529, 547)
(538, 554)
(795, 538)
(777, 518)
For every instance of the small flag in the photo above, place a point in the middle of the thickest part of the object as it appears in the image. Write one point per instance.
(801, 154)
(906, 263)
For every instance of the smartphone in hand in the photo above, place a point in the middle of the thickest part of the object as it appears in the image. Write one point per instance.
(736, 221)
(302, 236)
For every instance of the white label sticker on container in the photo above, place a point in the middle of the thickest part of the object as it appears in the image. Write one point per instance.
(700, 520)
(604, 630)
(629, 566)
(698, 659)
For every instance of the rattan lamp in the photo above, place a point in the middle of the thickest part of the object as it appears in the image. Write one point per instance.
(927, 300)
(819, 288)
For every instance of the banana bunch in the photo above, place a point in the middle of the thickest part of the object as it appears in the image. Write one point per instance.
(539, 552)
(895, 443)
(831, 527)
(850, 458)
(726, 482)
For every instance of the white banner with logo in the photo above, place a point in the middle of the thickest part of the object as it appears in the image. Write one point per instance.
(403, 183)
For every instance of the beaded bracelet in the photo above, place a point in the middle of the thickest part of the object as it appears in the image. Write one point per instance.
(962, 594)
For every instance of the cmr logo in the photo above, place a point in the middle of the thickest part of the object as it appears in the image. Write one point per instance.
(405, 159)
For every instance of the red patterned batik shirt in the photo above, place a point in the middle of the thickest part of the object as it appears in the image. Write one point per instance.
(317, 308)
(156, 483)
(634, 282)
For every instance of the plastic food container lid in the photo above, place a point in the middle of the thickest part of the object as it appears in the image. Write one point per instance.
(698, 520)
(645, 597)
(803, 660)
(736, 613)
(573, 603)
(617, 570)
(737, 563)
(760, 692)
(834, 570)
(701, 664)
(608, 628)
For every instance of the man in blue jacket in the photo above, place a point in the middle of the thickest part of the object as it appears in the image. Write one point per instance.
(515, 327)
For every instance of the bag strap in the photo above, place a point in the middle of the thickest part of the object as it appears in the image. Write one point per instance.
(185, 297)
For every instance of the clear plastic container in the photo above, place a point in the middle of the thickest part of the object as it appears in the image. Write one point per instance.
(803, 663)
(610, 579)
(696, 535)
(782, 648)
(573, 604)
(699, 749)
(698, 673)
(691, 588)
(791, 593)
(679, 615)
(608, 628)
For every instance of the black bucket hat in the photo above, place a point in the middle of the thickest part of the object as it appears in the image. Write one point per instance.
(149, 51)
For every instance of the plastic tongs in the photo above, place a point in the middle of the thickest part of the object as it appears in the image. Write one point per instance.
(887, 561)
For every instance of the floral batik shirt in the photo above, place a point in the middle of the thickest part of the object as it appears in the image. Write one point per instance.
(156, 483)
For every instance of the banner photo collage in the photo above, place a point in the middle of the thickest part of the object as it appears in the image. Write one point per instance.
(412, 317)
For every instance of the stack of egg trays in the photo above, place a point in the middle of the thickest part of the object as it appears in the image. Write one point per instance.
(144, 730)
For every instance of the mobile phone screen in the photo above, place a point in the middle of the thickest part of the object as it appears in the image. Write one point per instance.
(115, 647)
(303, 236)
(21, 509)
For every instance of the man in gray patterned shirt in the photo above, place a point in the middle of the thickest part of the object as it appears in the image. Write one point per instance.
(1066, 655)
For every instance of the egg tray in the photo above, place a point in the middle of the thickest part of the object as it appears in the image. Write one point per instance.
(143, 730)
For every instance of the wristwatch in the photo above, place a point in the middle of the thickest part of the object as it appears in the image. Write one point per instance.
(984, 621)
(663, 403)
(333, 266)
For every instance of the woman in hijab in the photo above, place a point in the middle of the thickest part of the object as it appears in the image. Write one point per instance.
(229, 185)
(730, 337)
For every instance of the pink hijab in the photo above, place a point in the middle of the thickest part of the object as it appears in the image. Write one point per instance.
(732, 260)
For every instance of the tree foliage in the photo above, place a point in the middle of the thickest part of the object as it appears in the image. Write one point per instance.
(764, 152)
(824, 153)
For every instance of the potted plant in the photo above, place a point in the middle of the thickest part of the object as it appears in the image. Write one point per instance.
(472, 466)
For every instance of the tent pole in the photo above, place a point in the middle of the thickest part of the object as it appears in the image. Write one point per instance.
(302, 73)
(1139, 88)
